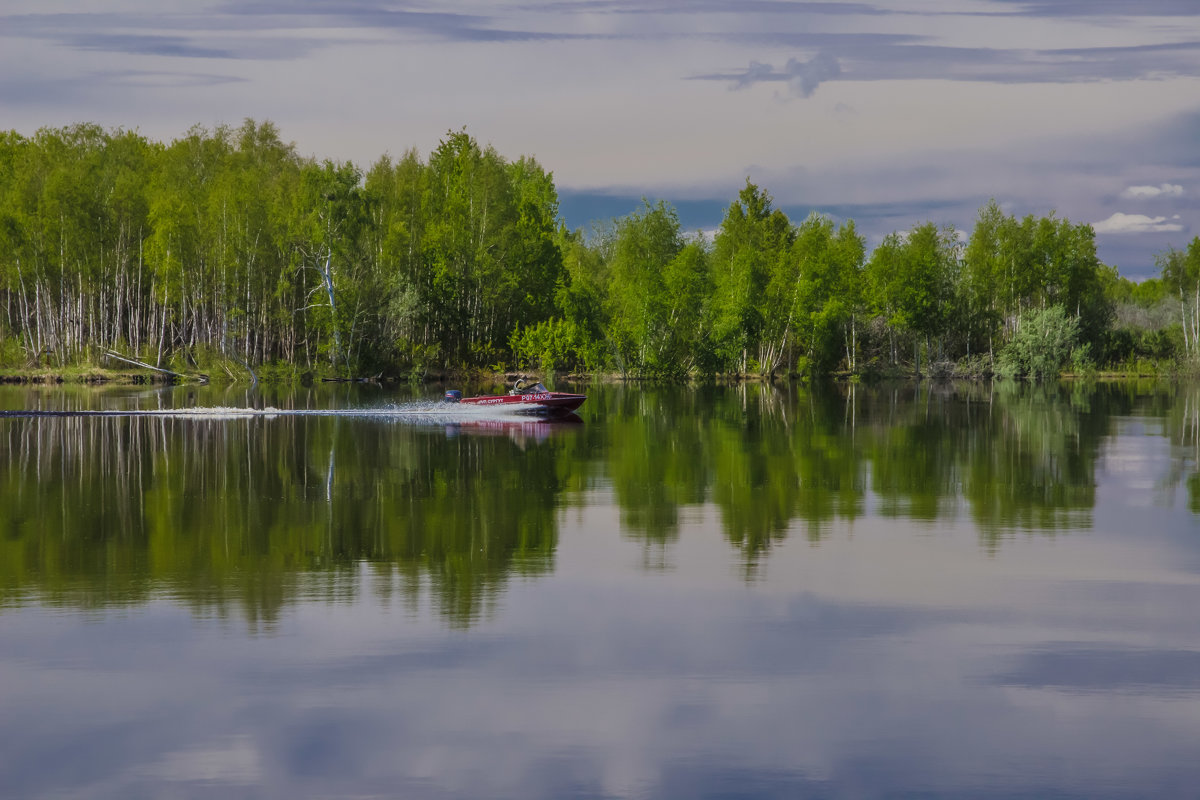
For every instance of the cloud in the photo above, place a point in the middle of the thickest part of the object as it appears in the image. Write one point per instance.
(1031, 8)
(275, 29)
(905, 58)
(1103, 8)
(802, 77)
(48, 92)
(805, 76)
(1147, 192)
(1137, 223)
(138, 44)
(742, 7)
(755, 73)
(267, 29)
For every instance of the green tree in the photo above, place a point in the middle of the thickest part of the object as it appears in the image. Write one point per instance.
(395, 192)
(826, 291)
(912, 280)
(1180, 272)
(332, 213)
(750, 254)
(646, 243)
(487, 247)
(982, 278)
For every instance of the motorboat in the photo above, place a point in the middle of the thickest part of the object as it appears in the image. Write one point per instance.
(524, 398)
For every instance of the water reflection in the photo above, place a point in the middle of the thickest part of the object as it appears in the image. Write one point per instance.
(245, 513)
(229, 513)
(930, 591)
(1183, 426)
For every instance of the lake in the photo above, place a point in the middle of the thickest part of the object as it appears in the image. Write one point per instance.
(711, 592)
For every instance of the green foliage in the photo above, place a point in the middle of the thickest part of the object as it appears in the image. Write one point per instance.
(556, 345)
(752, 284)
(228, 241)
(819, 296)
(1082, 362)
(1125, 346)
(1181, 277)
(488, 260)
(1043, 344)
(1011, 266)
(644, 244)
(911, 284)
(12, 355)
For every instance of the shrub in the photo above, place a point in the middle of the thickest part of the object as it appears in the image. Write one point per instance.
(12, 354)
(1042, 344)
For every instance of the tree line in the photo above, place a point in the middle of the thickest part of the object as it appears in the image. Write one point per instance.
(225, 247)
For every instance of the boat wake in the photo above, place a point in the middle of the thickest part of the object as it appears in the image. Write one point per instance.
(426, 411)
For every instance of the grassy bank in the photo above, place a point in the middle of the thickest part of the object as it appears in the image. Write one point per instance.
(209, 367)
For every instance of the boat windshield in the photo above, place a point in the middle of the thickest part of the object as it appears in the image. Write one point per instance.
(528, 388)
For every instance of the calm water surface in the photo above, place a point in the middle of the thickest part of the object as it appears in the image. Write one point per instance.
(701, 593)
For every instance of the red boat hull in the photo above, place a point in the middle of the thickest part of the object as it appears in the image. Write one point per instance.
(540, 403)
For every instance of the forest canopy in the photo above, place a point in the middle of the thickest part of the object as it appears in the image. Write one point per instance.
(225, 246)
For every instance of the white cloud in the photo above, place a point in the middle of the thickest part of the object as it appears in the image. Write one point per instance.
(1146, 192)
(1137, 223)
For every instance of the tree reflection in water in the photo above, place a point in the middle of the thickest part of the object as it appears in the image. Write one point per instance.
(249, 514)
(246, 512)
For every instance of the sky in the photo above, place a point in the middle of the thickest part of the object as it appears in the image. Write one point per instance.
(889, 113)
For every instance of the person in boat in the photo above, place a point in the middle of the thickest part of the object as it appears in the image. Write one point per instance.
(526, 387)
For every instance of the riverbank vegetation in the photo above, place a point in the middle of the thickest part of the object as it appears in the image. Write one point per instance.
(226, 253)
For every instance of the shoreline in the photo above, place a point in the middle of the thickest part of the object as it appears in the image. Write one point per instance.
(101, 377)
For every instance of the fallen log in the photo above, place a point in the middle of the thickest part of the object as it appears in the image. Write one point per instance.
(144, 365)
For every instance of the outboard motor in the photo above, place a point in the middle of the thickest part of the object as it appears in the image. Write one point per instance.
(452, 396)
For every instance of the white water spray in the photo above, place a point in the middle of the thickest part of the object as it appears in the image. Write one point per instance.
(420, 411)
